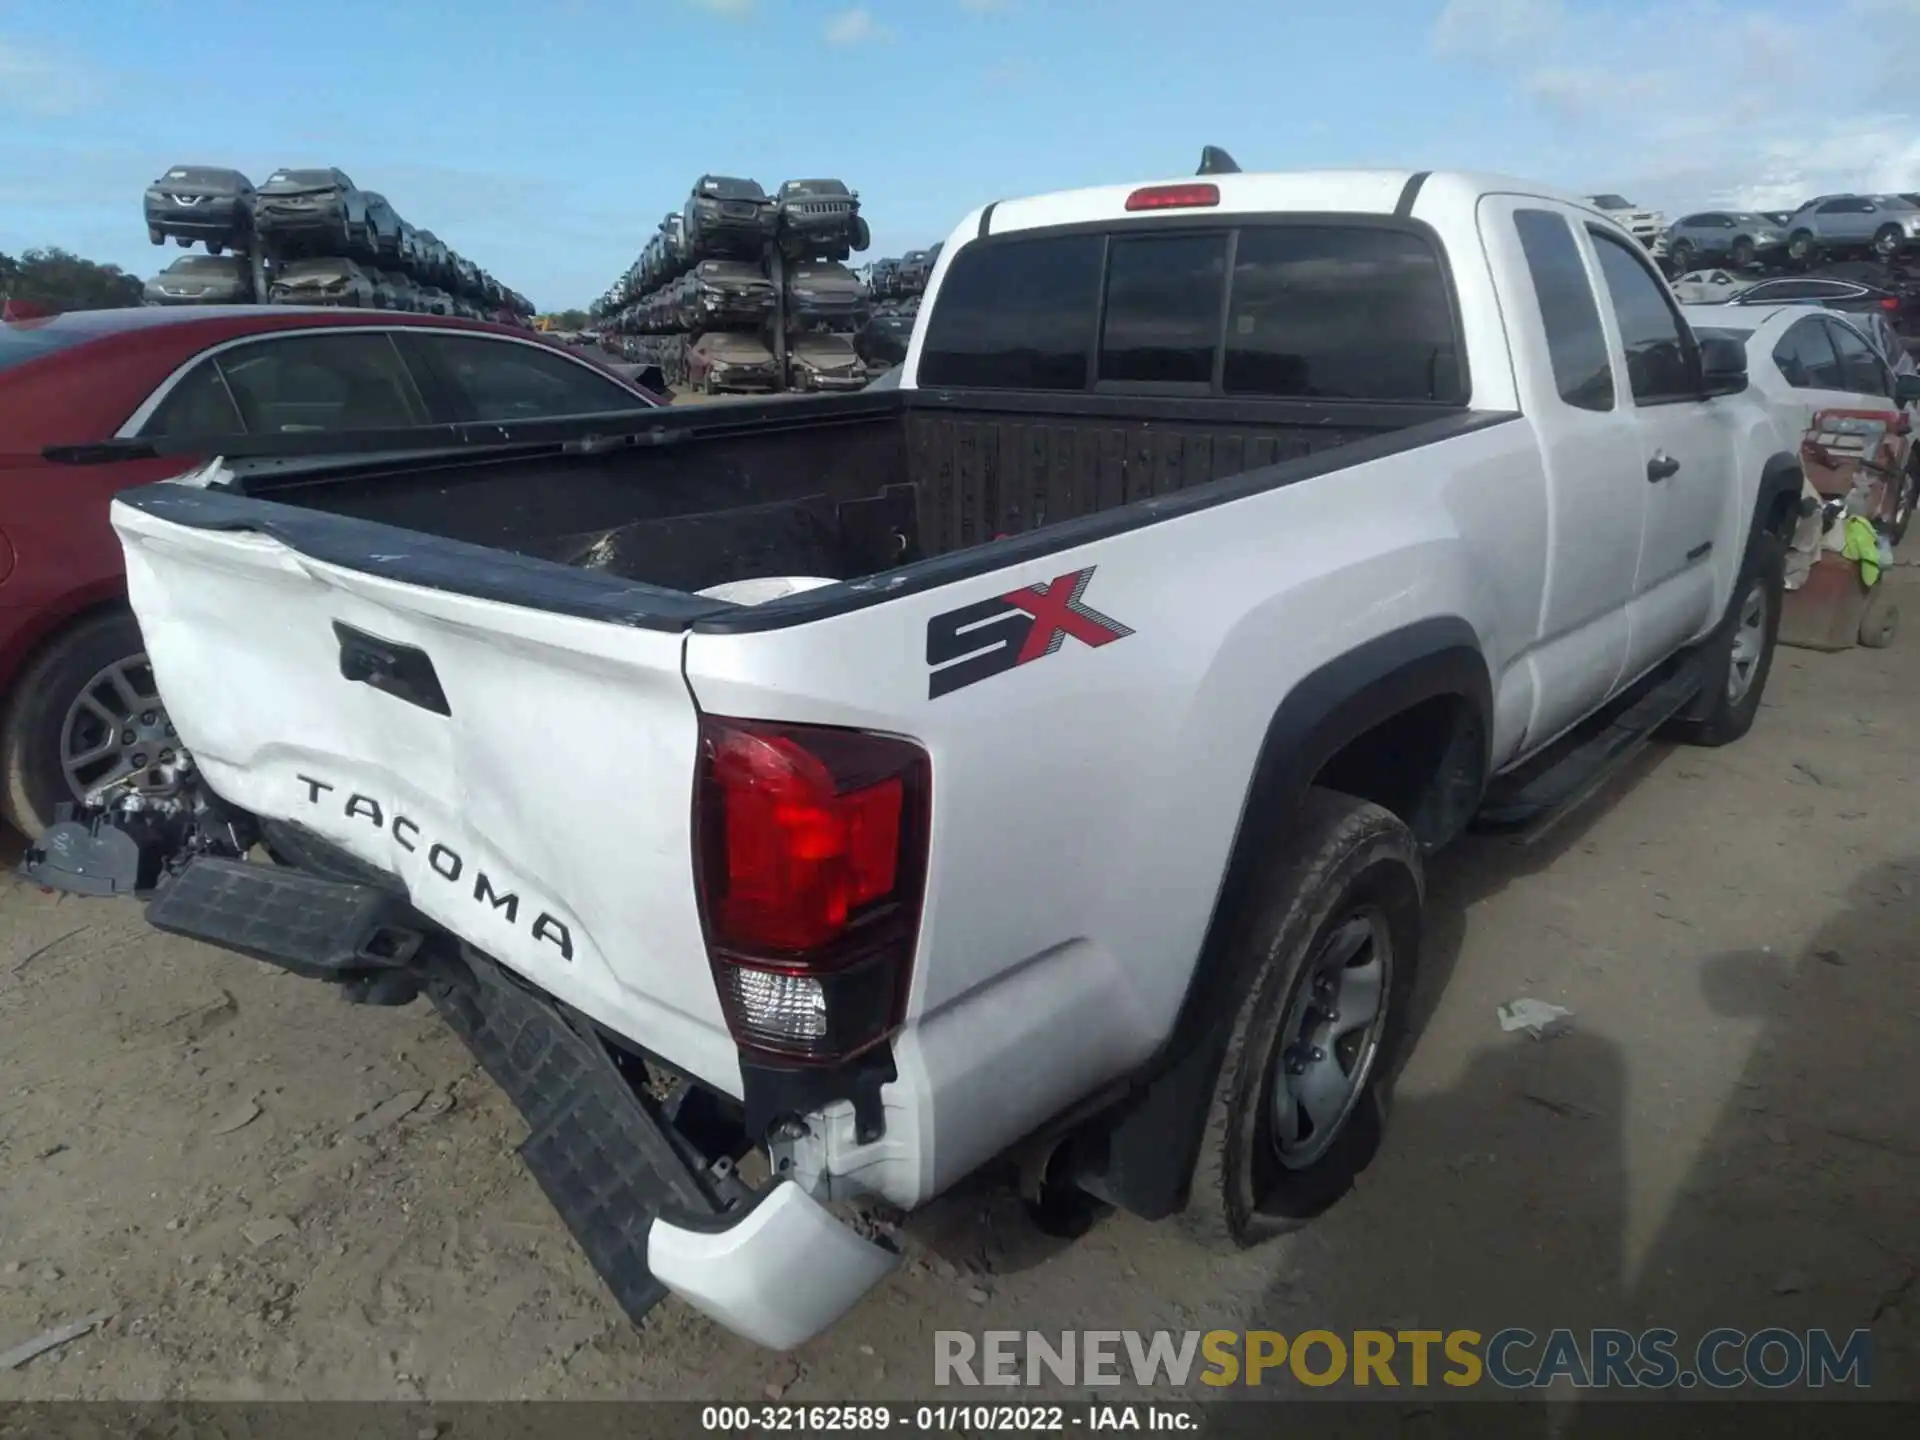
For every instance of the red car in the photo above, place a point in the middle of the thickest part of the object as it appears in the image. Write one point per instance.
(78, 706)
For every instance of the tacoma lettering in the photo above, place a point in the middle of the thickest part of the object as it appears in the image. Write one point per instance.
(443, 860)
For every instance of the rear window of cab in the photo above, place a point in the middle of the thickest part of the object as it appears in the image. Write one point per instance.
(1320, 310)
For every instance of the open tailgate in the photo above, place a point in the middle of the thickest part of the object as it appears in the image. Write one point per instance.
(525, 770)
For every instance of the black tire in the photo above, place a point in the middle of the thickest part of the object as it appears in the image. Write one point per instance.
(1801, 246)
(1681, 252)
(1731, 709)
(1895, 525)
(185, 242)
(1343, 859)
(32, 778)
(154, 235)
(862, 234)
(1886, 241)
(1880, 621)
(1743, 253)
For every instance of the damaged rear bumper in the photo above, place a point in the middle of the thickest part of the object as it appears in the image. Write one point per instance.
(653, 1212)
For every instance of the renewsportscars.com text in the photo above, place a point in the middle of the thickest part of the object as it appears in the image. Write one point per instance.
(1511, 1359)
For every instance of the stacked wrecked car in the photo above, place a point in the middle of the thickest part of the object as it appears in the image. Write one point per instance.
(741, 291)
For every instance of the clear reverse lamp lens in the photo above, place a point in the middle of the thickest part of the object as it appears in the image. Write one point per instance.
(784, 1007)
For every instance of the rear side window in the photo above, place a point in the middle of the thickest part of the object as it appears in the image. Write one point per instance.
(1017, 315)
(199, 405)
(1806, 359)
(322, 382)
(1862, 370)
(508, 380)
(1577, 344)
(1328, 312)
(1659, 356)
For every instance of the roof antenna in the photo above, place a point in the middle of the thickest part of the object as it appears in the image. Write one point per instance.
(1215, 161)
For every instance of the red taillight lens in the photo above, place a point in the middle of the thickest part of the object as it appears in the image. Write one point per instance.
(812, 847)
(1173, 197)
(1889, 302)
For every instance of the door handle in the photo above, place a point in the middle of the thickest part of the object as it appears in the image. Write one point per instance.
(1661, 466)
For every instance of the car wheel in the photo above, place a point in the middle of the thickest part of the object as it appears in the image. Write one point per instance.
(862, 234)
(1739, 654)
(85, 711)
(1330, 940)
(1886, 241)
(1743, 252)
(185, 242)
(1880, 621)
(1800, 245)
(1895, 525)
(154, 235)
(1682, 253)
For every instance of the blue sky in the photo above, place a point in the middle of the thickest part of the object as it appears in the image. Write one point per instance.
(545, 138)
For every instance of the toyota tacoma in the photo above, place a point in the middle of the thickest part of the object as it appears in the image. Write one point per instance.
(800, 804)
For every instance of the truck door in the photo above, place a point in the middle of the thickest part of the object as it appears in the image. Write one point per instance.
(1686, 454)
(1596, 495)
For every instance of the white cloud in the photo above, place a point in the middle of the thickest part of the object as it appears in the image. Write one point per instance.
(38, 84)
(854, 27)
(1495, 27)
(1704, 102)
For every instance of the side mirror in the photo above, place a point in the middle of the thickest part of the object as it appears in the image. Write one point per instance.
(1906, 389)
(1723, 366)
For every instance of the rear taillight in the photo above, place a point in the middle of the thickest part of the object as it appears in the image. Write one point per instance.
(1889, 302)
(811, 848)
(1173, 197)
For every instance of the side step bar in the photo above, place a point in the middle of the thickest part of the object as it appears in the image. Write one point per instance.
(318, 928)
(606, 1164)
(1530, 801)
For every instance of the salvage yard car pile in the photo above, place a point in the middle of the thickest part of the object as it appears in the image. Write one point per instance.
(309, 237)
(896, 286)
(736, 279)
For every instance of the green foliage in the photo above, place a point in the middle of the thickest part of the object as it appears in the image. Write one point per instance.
(61, 280)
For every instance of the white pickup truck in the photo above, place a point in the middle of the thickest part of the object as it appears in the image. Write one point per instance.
(801, 803)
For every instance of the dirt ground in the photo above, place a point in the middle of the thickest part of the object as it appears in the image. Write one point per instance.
(279, 1195)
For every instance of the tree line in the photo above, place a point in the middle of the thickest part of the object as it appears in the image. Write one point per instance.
(60, 280)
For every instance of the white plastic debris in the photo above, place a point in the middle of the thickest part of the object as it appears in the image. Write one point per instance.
(1536, 1017)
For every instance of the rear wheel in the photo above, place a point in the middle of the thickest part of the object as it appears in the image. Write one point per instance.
(1801, 246)
(1330, 939)
(1681, 252)
(1896, 524)
(1743, 252)
(1886, 241)
(1880, 621)
(84, 713)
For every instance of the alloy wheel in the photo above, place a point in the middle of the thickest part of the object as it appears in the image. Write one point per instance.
(1749, 643)
(1330, 1037)
(115, 727)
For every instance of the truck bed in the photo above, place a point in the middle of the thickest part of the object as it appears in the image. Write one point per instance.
(839, 487)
